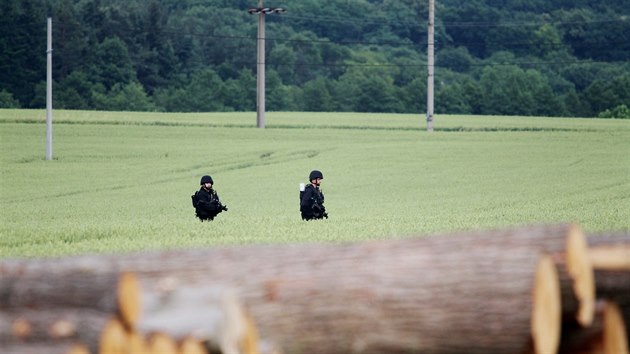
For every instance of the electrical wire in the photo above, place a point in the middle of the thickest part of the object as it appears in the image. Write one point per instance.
(423, 23)
(378, 43)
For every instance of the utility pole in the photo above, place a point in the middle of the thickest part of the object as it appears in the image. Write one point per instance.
(260, 78)
(49, 92)
(430, 65)
(260, 66)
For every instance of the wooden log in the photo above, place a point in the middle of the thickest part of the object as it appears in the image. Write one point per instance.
(250, 342)
(191, 345)
(605, 336)
(162, 343)
(390, 296)
(370, 299)
(613, 285)
(109, 292)
(209, 314)
(137, 343)
(610, 256)
(615, 329)
(610, 251)
(114, 338)
(608, 238)
(27, 326)
(44, 348)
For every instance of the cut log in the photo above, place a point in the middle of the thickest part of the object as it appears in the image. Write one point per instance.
(469, 292)
(608, 238)
(114, 338)
(208, 314)
(610, 255)
(26, 326)
(162, 343)
(386, 297)
(44, 348)
(109, 292)
(606, 335)
(250, 342)
(545, 323)
(615, 338)
(613, 285)
(610, 251)
(137, 343)
(191, 345)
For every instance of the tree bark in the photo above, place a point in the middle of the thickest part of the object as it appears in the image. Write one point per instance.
(53, 287)
(31, 326)
(45, 348)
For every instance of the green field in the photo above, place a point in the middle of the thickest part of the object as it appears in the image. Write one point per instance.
(122, 181)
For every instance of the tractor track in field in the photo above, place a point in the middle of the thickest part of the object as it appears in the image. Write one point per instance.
(259, 159)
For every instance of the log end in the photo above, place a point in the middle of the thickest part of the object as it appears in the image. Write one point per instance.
(581, 271)
(249, 342)
(21, 328)
(615, 341)
(78, 349)
(162, 343)
(190, 345)
(546, 308)
(128, 294)
(113, 338)
(137, 343)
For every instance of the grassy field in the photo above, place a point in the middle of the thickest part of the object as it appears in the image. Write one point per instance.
(122, 181)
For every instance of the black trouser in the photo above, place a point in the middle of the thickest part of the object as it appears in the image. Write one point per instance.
(310, 216)
(202, 215)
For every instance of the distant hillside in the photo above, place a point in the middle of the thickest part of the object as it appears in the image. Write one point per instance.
(535, 57)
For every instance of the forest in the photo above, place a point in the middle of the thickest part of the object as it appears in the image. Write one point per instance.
(563, 58)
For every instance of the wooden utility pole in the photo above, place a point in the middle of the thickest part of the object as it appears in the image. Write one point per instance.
(49, 92)
(260, 78)
(430, 66)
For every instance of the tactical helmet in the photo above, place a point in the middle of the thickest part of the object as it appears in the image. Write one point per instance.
(315, 174)
(206, 179)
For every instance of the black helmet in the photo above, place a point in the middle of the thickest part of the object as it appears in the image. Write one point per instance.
(206, 179)
(315, 174)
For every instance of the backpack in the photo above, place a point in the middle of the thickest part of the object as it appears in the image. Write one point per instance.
(302, 189)
(195, 200)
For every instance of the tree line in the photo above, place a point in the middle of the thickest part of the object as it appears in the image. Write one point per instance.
(535, 57)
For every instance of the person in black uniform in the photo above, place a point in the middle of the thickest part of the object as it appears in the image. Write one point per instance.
(312, 198)
(206, 201)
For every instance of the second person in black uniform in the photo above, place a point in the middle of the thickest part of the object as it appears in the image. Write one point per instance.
(312, 198)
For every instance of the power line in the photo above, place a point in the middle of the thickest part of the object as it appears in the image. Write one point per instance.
(372, 43)
(529, 24)
(422, 23)
(388, 65)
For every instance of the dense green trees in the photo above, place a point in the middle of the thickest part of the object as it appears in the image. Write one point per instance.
(535, 57)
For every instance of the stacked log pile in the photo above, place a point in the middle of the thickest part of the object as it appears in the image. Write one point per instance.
(78, 310)
(532, 289)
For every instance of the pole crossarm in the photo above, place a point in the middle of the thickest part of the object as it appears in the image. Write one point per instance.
(266, 10)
